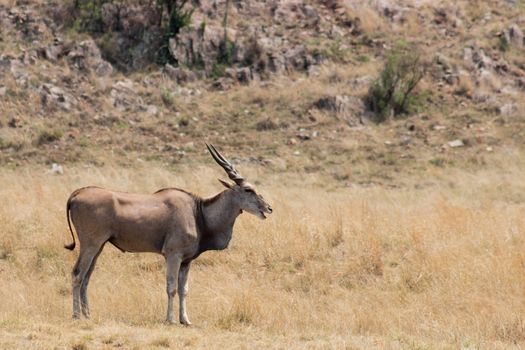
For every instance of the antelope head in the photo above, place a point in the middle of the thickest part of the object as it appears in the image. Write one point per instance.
(245, 195)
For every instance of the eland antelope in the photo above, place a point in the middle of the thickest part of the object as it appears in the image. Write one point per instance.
(172, 222)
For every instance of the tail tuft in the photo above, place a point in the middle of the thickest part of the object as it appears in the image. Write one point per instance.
(70, 246)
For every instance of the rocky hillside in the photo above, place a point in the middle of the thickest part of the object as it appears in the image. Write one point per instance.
(282, 85)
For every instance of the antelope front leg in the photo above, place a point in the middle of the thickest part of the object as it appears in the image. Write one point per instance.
(183, 291)
(172, 274)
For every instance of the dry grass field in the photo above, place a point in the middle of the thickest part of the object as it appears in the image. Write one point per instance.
(358, 268)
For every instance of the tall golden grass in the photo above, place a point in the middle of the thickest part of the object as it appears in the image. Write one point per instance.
(438, 267)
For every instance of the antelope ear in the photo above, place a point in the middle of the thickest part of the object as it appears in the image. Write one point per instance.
(225, 184)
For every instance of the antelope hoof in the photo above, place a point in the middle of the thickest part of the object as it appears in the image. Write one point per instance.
(185, 322)
(170, 322)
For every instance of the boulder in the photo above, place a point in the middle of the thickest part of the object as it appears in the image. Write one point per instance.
(521, 82)
(19, 72)
(388, 8)
(56, 50)
(514, 36)
(82, 53)
(467, 54)
(5, 61)
(179, 74)
(242, 75)
(480, 59)
(295, 13)
(456, 143)
(151, 110)
(298, 58)
(123, 96)
(57, 169)
(110, 15)
(86, 56)
(222, 84)
(53, 96)
(27, 22)
(29, 56)
(275, 63)
(508, 109)
(349, 109)
(197, 46)
(104, 68)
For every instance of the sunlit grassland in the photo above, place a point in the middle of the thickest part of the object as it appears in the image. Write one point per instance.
(434, 267)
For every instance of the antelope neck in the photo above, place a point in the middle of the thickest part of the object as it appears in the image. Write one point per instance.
(215, 219)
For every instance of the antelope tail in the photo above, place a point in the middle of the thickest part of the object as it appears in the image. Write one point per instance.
(70, 246)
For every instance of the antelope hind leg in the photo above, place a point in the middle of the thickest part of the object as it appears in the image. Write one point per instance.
(173, 263)
(85, 258)
(84, 303)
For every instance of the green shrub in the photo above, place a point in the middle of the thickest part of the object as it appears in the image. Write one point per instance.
(48, 136)
(167, 98)
(333, 50)
(218, 70)
(122, 124)
(226, 52)
(226, 49)
(393, 93)
(363, 58)
(336, 51)
(439, 162)
(503, 44)
(254, 51)
(89, 15)
(178, 18)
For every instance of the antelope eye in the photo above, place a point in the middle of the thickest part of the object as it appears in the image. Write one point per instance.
(249, 190)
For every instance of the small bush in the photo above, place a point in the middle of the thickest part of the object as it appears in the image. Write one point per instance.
(218, 70)
(439, 162)
(226, 52)
(178, 18)
(254, 52)
(89, 15)
(503, 44)
(122, 124)
(465, 86)
(12, 141)
(162, 343)
(245, 311)
(337, 51)
(167, 98)
(6, 250)
(393, 93)
(79, 346)
(48, 136)
(266, 124)
(363, 58)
